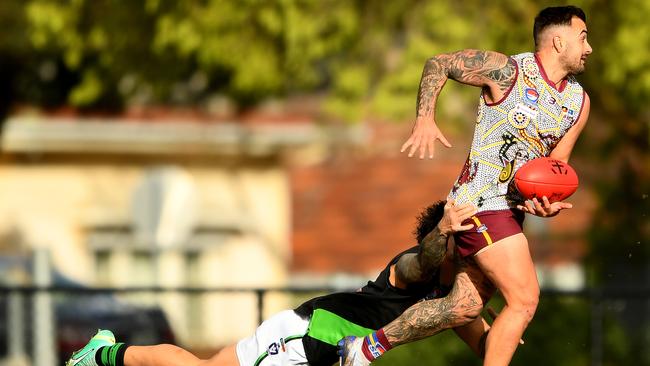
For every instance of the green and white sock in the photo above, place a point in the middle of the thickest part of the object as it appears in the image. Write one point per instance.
(111, 355)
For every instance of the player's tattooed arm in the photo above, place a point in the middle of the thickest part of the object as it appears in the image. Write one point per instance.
(429, 317)
(415, 268)
(486, 69)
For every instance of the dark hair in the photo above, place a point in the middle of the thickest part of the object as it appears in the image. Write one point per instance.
(558, 15)
(428, 219)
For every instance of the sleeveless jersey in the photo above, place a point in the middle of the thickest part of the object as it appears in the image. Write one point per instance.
(525, 124)
(337, 315)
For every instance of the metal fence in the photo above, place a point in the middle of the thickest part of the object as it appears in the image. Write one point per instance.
(34, 337)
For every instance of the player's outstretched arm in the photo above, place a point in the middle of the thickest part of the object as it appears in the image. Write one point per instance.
(492, 71)
(415, 268)
(470, 292)
(429, 317)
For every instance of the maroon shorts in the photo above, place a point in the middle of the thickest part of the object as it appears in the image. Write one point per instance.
(489, 227)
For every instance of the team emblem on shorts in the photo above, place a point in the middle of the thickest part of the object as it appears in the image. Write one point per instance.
(481, 228)
(273, 349)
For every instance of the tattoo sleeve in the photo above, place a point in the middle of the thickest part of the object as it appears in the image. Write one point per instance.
(473, 67)
(419, 267)
(429, 317)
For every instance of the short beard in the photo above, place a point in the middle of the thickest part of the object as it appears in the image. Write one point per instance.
(573, 69)
(576, 70)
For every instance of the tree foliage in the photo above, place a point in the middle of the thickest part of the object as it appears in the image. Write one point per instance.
(366, 56)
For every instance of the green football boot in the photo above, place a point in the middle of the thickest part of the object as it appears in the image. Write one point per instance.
(86, 355)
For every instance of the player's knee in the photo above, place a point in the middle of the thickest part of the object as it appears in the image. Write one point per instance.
(523, 297)
(526, 305)
(530, 305)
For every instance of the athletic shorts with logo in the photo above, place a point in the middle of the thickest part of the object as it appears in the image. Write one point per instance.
(489, 228)
(276, 342)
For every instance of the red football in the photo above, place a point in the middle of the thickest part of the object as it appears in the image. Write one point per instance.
(546, 177)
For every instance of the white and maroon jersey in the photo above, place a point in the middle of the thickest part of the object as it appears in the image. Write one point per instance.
(525, 124)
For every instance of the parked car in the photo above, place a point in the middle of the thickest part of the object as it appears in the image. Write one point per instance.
(78, 316)
(78, 319)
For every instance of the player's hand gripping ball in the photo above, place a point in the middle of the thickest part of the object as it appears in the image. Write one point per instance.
(548, 177)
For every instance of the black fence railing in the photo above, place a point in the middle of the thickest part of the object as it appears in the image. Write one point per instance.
(596, 295)
(258, 292)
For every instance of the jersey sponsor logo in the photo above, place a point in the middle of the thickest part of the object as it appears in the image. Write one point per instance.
(568, 114)
(529, 111)
(531, 95)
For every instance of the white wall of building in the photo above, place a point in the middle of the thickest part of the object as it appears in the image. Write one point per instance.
(59, 206)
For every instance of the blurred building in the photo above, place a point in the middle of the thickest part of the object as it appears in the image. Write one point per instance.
(130, 203)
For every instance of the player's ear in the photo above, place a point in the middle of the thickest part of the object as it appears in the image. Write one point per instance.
(558, 44)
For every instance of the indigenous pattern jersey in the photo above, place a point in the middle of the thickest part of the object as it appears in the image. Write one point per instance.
(526, 124)
(359, 313)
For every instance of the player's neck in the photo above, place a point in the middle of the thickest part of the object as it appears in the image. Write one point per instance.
(555, 73)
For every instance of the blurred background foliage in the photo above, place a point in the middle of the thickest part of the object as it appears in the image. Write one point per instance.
(364, 58)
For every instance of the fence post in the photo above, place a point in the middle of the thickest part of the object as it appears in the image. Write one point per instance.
(43, 325)
(16, 328)
(260, 305)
